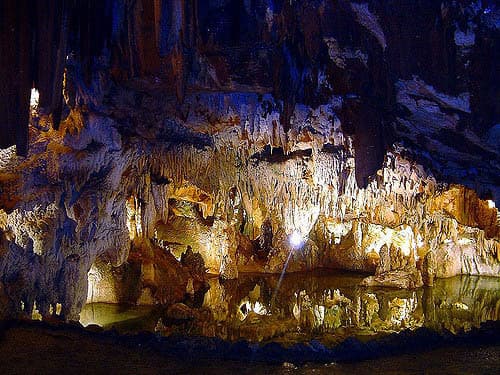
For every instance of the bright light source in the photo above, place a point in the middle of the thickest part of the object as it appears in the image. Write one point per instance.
(296, 240)
(35, 97)
(491, 204)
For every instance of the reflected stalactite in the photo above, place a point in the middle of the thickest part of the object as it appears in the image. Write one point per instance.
(319, 306)
(230, 201)
(222, 136)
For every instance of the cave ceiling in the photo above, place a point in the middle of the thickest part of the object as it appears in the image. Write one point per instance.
(422, 72)
(146, 142)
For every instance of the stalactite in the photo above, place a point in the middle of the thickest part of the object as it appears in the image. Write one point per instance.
(156, 160)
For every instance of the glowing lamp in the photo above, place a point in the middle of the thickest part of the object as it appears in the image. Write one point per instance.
(35, 96)
(296, 239)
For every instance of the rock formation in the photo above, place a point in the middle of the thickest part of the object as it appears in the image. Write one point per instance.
(201, 134)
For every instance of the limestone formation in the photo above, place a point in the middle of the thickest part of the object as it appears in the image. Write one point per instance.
(232, 201)
(199, 144)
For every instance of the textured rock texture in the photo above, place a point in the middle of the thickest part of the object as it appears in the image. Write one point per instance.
(324, 306)
(332, 308)
(223, 127)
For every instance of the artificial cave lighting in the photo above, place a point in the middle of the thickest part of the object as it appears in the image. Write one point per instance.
(34, 98)
(131, 216)
(94, 278)
(296, 239)
(261, 174)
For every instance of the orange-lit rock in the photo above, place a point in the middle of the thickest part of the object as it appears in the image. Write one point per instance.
(464, 206)
(234, 204)
(193, 144)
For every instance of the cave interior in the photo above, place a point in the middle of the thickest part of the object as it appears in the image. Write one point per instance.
(167, 154)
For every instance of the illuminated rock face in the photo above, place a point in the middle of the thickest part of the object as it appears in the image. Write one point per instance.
(233, 195)
(228, 147)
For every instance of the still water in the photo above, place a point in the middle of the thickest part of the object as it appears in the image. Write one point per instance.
(323, 306)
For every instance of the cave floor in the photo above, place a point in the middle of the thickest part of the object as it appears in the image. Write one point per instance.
(29, 349)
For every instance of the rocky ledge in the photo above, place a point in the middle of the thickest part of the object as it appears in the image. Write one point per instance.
(352, 349)
(173, 139)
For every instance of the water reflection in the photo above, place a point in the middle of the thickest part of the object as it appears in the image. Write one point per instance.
(317, 306)
(109, 315)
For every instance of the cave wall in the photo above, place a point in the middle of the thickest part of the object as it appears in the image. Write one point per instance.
(227, 125)
(123, 204)
(385, 59)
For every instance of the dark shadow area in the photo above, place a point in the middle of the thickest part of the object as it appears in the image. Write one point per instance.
(41, 348)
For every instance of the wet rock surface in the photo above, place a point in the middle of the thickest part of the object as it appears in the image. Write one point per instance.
(110, 193)
(205, 141)
(305, 307)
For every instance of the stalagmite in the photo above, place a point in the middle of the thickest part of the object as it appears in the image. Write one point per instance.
(177, 140)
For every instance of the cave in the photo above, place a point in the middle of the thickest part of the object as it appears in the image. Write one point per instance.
(260, 185)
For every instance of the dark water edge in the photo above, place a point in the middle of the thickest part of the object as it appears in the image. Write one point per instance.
(450, 328)
(33, 347)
